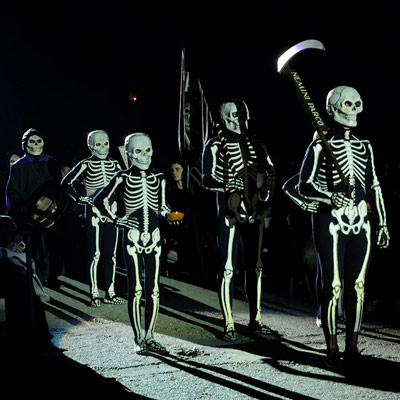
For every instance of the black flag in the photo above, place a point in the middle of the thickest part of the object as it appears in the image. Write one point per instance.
(195, 119)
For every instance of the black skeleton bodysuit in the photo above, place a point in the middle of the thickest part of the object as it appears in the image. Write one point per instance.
(102, 234)
(143, 195)
(238, 168)
(342, 233)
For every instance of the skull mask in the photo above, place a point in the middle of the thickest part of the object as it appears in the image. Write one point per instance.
(99, 144)
(34, 145)
(138, 148)
(344, 103)
(235, 116)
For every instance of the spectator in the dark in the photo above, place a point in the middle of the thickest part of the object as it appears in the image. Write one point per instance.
(14, 287)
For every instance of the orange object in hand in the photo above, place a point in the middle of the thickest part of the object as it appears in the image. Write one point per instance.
(175, 215)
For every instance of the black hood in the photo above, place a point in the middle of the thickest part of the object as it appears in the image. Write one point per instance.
(25, 137)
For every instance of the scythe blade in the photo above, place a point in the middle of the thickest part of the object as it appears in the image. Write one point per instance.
(290, 53)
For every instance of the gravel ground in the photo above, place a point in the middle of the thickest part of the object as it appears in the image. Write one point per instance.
(98, 357)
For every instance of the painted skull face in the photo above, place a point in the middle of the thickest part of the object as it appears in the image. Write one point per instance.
(99, 144)
(138, 148)
(344, 103)
(235, 116)
(34, 145)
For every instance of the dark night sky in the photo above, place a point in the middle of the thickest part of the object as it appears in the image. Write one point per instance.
(67, 68)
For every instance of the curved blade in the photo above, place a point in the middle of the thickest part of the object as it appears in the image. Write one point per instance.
(289, 54)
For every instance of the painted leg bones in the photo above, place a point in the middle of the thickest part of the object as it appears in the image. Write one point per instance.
(143, 195)
(238, 168)
(342, 229)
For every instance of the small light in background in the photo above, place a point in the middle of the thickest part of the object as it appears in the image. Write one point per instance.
(132, 96)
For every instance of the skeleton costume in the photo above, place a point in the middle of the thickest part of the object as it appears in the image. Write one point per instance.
(342, 235)
(143, 194)
(102, 235)
(238, 168)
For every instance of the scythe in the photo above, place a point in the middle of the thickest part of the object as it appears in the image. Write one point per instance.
(316, 120)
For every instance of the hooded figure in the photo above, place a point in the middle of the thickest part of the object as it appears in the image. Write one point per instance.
(29, 176)
(32, 176)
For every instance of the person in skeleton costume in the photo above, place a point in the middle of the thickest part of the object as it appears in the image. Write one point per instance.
(342, 235)
(29, 178)
(102, 234)
(238, 168)
(291, 189)
(143, 194)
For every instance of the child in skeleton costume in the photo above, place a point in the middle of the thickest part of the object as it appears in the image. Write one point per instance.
(342, 235)
(102, 235)
(238, 168)
(143, 193)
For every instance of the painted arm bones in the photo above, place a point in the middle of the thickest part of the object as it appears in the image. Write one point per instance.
(68, 184)
(102, 202)
(291, 189)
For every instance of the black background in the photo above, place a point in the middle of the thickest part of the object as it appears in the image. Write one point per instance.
(67, 68)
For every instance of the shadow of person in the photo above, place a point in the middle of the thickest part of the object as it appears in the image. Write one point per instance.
(292, 357)
(245, 384)
(52, 374)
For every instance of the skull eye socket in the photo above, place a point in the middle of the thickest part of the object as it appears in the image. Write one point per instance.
(358, 104)
(348, 103)
(33, 141)
(137, 151)
(148, 150)
(235, 114)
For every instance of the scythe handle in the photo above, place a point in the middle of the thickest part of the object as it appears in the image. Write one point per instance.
(317, 122)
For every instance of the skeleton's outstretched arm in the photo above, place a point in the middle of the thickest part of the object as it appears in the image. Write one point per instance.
(68, 184)
(164, 207)
(290, 187)
(375, 198)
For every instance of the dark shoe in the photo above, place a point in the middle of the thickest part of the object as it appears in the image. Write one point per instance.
(352, 356)
(229, 336)
(53, 284)
(141, 348)
(96, 302)
(155, 347)
(261, 329)
(332, 360)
